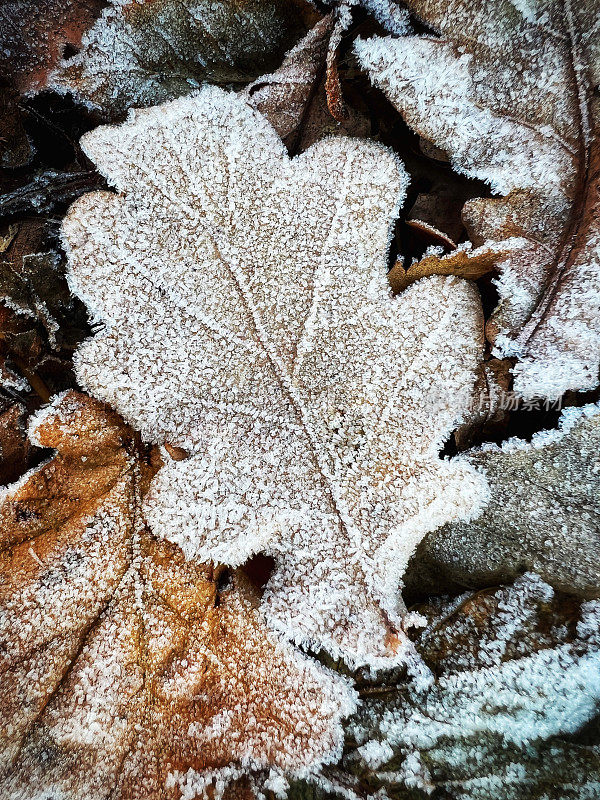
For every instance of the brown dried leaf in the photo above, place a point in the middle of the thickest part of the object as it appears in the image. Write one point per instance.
(467, 632)
(439, 210)
(125, 672)
(142, 53)
(48, 190)
(333, 87)
(462, 262)
(284, 96)
(319, 123)
(508, 90)
(432, 235)
(492, 407)
(294, 98)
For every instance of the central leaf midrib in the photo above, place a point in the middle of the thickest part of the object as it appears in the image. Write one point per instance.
(279, 371)
(283, 378)
(285, 382)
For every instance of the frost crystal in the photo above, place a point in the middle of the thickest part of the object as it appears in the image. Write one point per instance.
(508, 92)
(247, 319)
(142, 52)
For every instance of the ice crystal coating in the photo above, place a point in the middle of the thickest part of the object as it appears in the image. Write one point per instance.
(517, 678)
(121, 664)
(247, 318)
(508, 92)
(143, 52)
(388, 13)
(543, 512)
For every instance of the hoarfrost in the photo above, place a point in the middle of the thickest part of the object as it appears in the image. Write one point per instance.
(143, 53)
(493, 731)
(118, 665)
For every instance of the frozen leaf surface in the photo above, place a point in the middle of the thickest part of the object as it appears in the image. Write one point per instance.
(543, 513)
(144, 52)
(122, 666)
(518, 675)
(508, 91)
(248, 319)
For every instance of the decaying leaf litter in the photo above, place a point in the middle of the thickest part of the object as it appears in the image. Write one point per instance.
(293, 473)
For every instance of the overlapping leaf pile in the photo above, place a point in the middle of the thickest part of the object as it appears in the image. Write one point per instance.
(518, 672)
(288, 287)
(142, 53)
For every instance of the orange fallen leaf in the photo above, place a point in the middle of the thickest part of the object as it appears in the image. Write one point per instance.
(125, 670)
(463, 263)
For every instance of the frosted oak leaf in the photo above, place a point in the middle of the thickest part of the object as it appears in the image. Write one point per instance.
(247, 318)
(509, 91)
(123, 666)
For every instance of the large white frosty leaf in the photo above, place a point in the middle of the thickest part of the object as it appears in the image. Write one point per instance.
(247, 319)
(509, 92)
